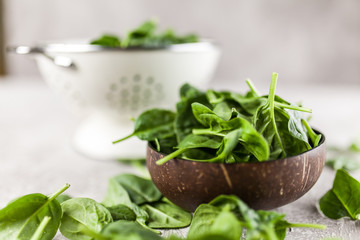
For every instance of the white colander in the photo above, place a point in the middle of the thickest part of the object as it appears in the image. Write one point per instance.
(109, 86)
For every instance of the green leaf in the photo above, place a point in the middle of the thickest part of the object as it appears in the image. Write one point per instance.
(107, 41)
(166, 215)
(281, 128)
(166, 145)
(132, 161)
(314, 137)
(122, 212)
(140, 35)
(185, 120)
(227, 224)
(343, 200)
(355, 146)
(203, 219)
(248, 104)
(343, 162)
(229, 142)
(192, 141)
(223, 110)
(116, 194)
(212, 223)
(122, 230)
(141, 216)
(153, 124)
(83, 215)
(139, 189)
(22, 217)
(62, 198)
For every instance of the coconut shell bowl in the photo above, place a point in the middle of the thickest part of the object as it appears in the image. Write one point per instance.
(262, 185)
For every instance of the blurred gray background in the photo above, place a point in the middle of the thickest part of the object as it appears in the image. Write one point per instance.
(305, 41)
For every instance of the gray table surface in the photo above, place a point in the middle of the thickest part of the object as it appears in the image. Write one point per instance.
(36, 154)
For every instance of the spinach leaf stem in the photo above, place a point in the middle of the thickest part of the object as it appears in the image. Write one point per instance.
(122, 139)
(307, 225)
(60, 191)
(292, 107)
(170, 156)
(41, 228)
(252, 87)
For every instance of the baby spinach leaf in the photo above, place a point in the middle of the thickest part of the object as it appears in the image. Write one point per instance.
(248, 105)
(215, 97)
(244, 213)
(166, 215)
(122, 212)
(188, 92)
(227, 224)
(343, 200)
(207, 117)
(152, 124)
(62, 198)
(190, 142)
(132, 161)
(22, 217)
(139, 189)
(107, 40)
(203, 219)
(344, 157)
(223, 110)
(282, 226)
(169, 37)
(141, 217)
(200, 141)
(41, 229)
(166, 145)
(355, 146)
(229, 142)
(185, 120)
(138, 36)
(116, 194)
(282, 131)
(314, 137)
(343, 162)
(210, 222)
(121, 230)
(83, 215)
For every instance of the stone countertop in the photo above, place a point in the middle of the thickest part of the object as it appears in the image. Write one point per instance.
(36, 154)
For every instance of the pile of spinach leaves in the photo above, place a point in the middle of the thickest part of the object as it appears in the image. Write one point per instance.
(227, 127)
(132, 206)
(145, 36)
(229, 218)
(133, 209)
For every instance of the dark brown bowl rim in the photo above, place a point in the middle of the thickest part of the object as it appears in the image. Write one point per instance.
(322, 141)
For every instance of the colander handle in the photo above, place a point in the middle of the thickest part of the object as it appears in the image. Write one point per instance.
(60, 61)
